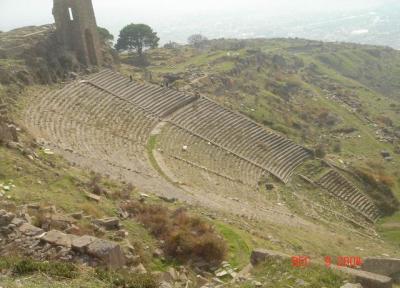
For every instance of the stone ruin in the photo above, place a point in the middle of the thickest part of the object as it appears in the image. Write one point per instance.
(19, 235)
(77, 29)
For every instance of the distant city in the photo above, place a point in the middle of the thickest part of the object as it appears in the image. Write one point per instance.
(377, 24)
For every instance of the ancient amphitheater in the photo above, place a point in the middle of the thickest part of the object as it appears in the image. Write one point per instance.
(169, 142)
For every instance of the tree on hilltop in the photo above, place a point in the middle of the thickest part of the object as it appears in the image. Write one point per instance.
(137, 37)
(197, 40)
(105, 35)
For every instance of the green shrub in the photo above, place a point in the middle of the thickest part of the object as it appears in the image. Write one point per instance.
(95, 184)
(378, 186)
(54, 269)
(337, 147)
(185, 237)
(320, 151)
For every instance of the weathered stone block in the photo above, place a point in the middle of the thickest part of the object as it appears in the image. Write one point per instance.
(58, 238)
(81, 243)
(261, 255)
(60, 222)
(30, 230)
(108, 223)
(366, 279)
(385, 266)
(109, 252)
(94, 197)
(17, 222)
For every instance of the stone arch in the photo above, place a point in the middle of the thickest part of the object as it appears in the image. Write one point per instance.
(90, 47)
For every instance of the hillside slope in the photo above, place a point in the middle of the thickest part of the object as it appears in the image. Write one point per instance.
(340, 99)
(311, 98)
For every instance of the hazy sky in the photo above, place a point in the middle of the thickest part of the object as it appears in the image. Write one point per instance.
(114, 14)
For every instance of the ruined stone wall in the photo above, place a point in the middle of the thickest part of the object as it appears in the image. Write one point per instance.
(77, 29)
(385, 266)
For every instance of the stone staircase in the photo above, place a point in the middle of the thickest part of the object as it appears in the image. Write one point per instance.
(242, 137)
(339, 186)
(107, 117)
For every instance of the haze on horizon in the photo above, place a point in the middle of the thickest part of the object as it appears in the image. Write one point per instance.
(175, 20)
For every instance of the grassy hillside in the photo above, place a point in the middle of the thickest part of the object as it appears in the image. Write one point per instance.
(341, 99)
(48, 180)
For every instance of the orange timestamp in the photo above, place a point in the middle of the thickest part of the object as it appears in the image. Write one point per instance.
(301, 261)
(341, 261)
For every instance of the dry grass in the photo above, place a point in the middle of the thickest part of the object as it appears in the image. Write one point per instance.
(185, 237)
(379, 186)
(95, 184)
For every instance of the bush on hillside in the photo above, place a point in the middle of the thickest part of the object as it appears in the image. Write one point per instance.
(95, 184)
(337, 147)
(327, 119)
(185, 237)
(378, 186)
(320, 151)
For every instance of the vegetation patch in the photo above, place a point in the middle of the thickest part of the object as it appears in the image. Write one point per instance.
(239, 244)
(378, 185)
(20, 267)
(126, 280)
(151, 145)
(283, 274)
(185, 237)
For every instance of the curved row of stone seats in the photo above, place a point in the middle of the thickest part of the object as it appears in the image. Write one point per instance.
(339, 186)
(158, 100)
(127, 111)
(242, 136)
(229, 130)
(3, 110)
(201, 181)
(94, 107)
(202, 178)
(93, 123)
(205, 154)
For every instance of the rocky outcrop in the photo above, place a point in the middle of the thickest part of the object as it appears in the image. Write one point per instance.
(262, 255)
(385, 266)
(109, 252)
(18, 235)
(366, 279)
(111, 223)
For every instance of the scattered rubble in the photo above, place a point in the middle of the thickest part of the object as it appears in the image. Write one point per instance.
(31, 241)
